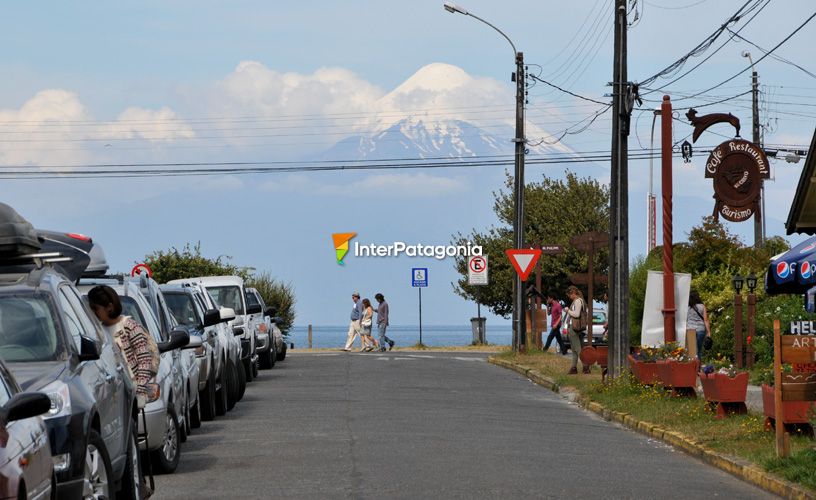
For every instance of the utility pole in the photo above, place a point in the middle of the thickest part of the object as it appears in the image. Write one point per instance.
(759, 217)
(619, 203)
(519, 298)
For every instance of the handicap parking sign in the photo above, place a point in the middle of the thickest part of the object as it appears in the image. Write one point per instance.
(419, 277)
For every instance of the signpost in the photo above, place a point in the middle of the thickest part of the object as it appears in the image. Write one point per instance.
(477, 276)
(523, 261)
(589, 243)
(419, 280)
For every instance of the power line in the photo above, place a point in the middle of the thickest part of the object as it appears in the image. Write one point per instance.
(545, 82)
(778, 58)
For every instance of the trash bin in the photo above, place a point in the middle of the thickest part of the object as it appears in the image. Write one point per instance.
(478, 326)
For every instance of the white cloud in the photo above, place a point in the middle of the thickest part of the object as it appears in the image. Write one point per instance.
(151, 125)
(419, 185)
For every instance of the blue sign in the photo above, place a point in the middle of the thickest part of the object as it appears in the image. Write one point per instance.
(419, 277)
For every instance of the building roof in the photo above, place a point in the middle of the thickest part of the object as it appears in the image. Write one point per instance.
(802, 215)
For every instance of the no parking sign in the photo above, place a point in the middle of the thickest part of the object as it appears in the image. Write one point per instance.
(477, 270)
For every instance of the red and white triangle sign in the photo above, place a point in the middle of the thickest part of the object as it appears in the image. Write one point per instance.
(523, 260)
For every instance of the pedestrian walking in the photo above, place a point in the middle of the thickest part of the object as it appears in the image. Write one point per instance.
(697, 319)
(577, 317)
(555, 323)
(366, 324)
(382, 322)
(354, 324)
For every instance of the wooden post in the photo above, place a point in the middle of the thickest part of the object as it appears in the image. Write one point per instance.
(738, 352)
(538, 328)
(749, 350)
(781, 449)
(669, 333)
(590, 288)
(310, 336)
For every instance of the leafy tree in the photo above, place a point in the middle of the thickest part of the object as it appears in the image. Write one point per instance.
(189, 262)
(276, 294)
(555, 210)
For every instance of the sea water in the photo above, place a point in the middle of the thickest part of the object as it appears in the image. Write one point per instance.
(435, 335)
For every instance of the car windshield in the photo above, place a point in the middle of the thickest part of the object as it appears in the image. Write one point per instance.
(27, 329)
(228, 296)
(182, 307)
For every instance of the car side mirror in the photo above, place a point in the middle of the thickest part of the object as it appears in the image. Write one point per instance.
(254, 309)
(270, 311)
(277, 320)
(27, 405)
(237, 331)
(227, 314)
(194, 343)
(178, 338)
(212, 317)
(88, 349)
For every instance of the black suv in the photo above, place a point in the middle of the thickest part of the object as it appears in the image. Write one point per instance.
(53, 344)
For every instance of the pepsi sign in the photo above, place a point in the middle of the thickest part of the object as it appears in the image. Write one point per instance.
(782, 270)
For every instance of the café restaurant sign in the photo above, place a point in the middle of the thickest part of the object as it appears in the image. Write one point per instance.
(737, 168)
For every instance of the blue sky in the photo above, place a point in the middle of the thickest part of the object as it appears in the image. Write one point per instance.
(166, 81)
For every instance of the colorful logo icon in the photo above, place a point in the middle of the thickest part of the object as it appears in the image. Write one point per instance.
(341, 245)
(782, 270)
(808, 248)
(806, 270)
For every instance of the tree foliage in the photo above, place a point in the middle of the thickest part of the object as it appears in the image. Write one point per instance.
(276, 294)
(555, 210)
(189, 262)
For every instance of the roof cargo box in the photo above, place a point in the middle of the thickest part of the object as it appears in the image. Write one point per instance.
(17, 235)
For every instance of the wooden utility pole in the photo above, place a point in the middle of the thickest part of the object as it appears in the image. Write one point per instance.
(669, 333)
(619, 204)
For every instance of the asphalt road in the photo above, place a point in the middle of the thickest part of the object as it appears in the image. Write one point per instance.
(416, 425)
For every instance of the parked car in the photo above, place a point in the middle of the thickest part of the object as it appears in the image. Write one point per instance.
(53, 344)
(233, 378)
(228, 291)
(598, 322)
(261, 322)
(188, 308)
(191, 408)
(163, 414)
(27, 467)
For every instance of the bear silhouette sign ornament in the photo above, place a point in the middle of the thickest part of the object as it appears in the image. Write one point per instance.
(737, 168)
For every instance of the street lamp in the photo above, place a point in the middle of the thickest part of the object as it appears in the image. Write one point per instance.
(519, 326)
(737, 282)
(748, 350)
(751, 282)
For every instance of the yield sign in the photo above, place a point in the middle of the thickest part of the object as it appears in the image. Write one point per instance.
(523, 260)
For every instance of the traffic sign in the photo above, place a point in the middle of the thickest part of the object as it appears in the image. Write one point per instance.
(477, 270)
(583, 279)
(523, 260)
(419, 277)
(592, 240)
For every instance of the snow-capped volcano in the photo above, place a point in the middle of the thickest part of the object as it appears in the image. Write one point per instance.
(440, 111)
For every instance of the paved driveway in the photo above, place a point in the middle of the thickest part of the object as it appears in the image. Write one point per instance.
(437, 425)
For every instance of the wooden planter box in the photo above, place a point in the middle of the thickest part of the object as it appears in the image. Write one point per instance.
(725, 393)
(643, 371)
(793, 412)
(680, 377)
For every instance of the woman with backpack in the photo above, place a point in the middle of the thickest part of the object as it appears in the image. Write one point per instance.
(697, 320)
(577, 317)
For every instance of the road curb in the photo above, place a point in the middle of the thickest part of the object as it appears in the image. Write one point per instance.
(746, 471)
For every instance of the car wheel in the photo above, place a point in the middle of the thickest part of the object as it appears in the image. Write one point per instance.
(272, 355)
(254, 368)
(207, 398)
(184, 427)
(131, 487)
(221, 392)
(232, 385)
(282, 354)
(97, 469)
(242, 381)
(247, 371)
(263, 360)
(195, 415)
(22, 493)
(166, 458)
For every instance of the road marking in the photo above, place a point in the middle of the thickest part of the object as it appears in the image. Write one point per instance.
(420, 356)
(468, 359)
(384, 359)
(403, 359)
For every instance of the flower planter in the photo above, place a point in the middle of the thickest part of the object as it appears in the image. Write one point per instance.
(727, 394)
(646, 372)
(679, 376)
(793, 412)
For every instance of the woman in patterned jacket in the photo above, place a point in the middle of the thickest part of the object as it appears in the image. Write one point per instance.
(138, 347)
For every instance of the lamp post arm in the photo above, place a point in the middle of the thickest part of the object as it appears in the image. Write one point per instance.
(497, 29)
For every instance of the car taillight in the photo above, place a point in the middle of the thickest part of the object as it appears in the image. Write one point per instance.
(78, 236)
